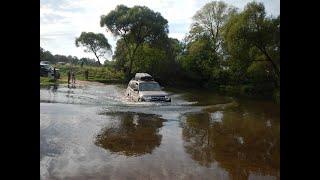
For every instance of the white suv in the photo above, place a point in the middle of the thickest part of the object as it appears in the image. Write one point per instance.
(143, 88)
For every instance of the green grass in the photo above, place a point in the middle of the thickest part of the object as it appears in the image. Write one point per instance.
(45, 81)
(98, 74)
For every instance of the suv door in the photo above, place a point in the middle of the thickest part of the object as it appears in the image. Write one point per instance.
(135, 91)
(129, 89)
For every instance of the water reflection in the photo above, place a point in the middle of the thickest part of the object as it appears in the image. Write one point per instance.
(51, 88)
(131, 134)
(55, 87)
(243, 145)
(72, 86)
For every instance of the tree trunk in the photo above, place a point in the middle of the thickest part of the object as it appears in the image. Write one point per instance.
(277, 72)
(274, 70)
(263, 50)
(97, 58)
(273, 64)
(131, 60)
(94, 52)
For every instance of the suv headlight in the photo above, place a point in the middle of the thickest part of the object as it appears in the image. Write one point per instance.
(167, 98)
(146, 98)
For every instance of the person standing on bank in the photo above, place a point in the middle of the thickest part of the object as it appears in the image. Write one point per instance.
(86, 74)
(73, 77)
(54, 74)
(69, 76)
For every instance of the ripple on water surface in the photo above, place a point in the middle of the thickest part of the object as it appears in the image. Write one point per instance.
(93, 131)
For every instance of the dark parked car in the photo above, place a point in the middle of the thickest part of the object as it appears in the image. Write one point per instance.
(45, 62)
(47, 70)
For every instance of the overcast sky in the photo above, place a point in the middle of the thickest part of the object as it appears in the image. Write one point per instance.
(61, 21)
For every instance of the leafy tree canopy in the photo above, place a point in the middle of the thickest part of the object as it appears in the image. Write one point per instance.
(95, 43)
(136, 25)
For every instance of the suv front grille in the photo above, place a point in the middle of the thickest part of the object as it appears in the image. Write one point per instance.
(157, 98)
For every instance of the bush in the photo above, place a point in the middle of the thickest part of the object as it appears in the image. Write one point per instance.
(247, 90)
(45, 81)
(276, 96)
(233, 90)
(260, 90)
(250, 90)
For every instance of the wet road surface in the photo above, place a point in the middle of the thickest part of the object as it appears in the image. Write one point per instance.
(93, 131)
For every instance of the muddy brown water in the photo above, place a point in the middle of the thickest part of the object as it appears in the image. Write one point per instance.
(93, 131)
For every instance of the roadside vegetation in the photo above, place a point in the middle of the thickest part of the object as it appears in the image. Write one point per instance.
(46, 81)
(228, 50)
(99, 74)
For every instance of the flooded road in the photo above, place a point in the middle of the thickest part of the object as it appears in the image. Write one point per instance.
(92, 131)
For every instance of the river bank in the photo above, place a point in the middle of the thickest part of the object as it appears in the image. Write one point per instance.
(108, 75)
(249, 91)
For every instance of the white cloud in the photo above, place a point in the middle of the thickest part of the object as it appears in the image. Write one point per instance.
(61, 21)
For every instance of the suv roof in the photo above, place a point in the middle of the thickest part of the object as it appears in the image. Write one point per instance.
(143, 77)
(141, 81)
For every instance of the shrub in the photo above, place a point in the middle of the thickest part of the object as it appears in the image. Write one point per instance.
(276, 96)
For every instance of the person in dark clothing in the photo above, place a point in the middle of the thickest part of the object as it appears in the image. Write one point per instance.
(86, 74)
(69, 76)
(73, 76)
(54, 74)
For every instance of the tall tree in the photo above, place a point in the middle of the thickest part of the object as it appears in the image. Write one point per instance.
(204, 57)
(136, 25)
(95, 43)
(209, 20)
(198, 61)
(253, 37)
(121, 56)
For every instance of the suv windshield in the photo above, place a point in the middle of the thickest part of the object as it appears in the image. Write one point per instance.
(149, 87)
(48, 67)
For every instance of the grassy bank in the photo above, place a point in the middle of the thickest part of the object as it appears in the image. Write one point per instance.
(98, 74)
(109, 75)
(254, 91)
(45, 81)
(262, 91)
